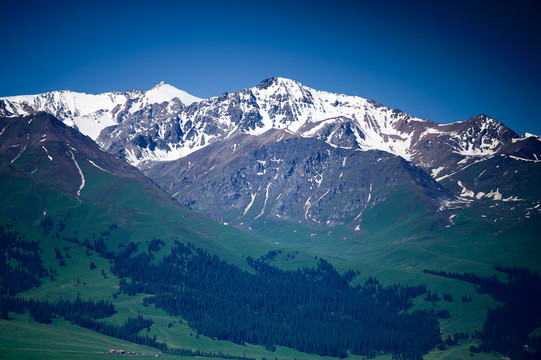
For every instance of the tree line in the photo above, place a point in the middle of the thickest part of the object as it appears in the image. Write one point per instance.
(508, 327)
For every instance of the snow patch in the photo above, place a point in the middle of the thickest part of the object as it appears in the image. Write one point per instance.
(318, 179)
(435, 172)
(465, 192)
(479, 195)
(524, 137)
(496, 195)
(92, 113)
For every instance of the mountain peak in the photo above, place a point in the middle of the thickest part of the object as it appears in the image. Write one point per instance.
(483, 117)
(485, 121)
(160, 84)
(166, 92)
(277, 81)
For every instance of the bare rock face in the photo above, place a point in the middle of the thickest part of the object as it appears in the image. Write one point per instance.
(295, 179)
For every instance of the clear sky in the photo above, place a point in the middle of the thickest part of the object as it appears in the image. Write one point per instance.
(442, 60)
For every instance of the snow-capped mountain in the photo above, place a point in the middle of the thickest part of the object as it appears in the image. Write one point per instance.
(276, 103)
(161, 125)
(232, 145)
(90, 114)
(349, 122)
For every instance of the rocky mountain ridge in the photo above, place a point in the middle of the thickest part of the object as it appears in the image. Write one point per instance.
(225, 156)
(90, 114)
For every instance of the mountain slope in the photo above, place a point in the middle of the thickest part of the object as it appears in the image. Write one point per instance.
(40, 155)
(50, 151)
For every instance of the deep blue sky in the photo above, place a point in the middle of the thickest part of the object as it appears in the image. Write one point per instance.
(442, 60)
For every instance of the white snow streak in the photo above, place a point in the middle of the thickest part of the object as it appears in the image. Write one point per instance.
(50, 157)
(315, 202)
(250, 204)
(522, 159)
(478, 176)
(367, 201)
(512, 198)
(99, 167)
(266, 197)
(459, 170)
(22, 151)
(80, 173)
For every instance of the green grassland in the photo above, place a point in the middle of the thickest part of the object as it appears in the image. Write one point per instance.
(393, 255)
(22, 338)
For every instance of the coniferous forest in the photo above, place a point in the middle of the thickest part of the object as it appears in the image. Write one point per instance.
(508, 326)
(313, 310)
